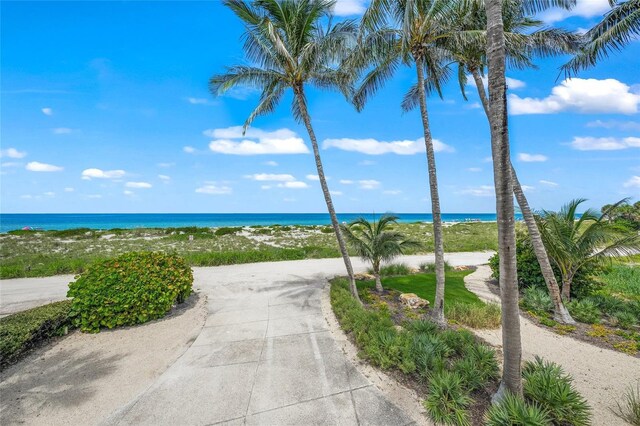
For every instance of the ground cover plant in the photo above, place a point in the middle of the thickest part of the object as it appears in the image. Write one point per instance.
(131, 289)
(46, 253)
(23, 331)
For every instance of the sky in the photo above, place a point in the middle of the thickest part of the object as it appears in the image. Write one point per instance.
(105, 108)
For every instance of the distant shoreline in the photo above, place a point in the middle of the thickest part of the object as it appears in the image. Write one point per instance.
(107, 221)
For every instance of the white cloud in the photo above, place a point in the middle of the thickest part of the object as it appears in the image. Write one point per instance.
(349, 7)
(375, 147)
(88, 174)
(293, 185)
(369, 184)
(26, 196)
(265, 187)
(583, 9)
(189, 149)
(270, 177)
(512, 83)
(127, 192)
(36, 166)
(479, 191)
(12, 153)
(366, 163)
(615, 124)
(634, 182)
(11, 164)
(200, 101)
(548, 183)
(141, 185)
(49, 194)
(255, 142)
(313, 177)
(47, 111)
(270, 163)
(62, 131)
(392, 192)
(94, 196)
(586, 96)
(532, 158)
(164, 178)
(346, 181)
(213, 188)
(337, 193)
(69, 189)
(166, 165)
(527, 188)
(474, 169)
(604, 144)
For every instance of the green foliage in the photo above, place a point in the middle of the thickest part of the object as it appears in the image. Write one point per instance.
(585, 311)
(486, 315)
(629, 408)
(24, 330)
(514, 411)
(131, 289)
(622, 280)
(478, 368)
(395, 269)
(537, 299)
(625, 320)
(225, 230)
(623, 214)
(430, 267)
(447, 400)
(547, 385)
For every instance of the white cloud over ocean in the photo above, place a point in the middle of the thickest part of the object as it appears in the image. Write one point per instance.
(231, 141)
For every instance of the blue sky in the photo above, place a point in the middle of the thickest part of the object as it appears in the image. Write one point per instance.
(105, 108)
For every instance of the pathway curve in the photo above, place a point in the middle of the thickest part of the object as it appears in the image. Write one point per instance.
(601, 375)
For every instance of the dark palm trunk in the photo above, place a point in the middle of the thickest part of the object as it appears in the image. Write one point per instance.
(511, 342)
(302, 104)
(561, 314)
(376, 273)
(566, 289)
(438, 306)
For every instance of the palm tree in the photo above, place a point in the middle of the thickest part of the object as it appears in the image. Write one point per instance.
(617, 29)
(511, 342)
(416, 26)
(292, 44)
(375, 243)
(592, 238)
(521, 45)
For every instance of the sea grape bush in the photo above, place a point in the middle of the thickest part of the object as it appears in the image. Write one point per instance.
(130, 289)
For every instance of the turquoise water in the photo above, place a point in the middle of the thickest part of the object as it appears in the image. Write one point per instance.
(10, 222)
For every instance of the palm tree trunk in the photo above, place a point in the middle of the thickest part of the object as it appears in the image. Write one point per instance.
(566, 289)
(511, 341)
(438, 308)
(379, 288)
(560, 312)
(299, 93)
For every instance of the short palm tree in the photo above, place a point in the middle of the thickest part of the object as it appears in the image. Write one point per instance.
(572, 243)
(406, 32)
(618, 28)
(292, 44)
(375, 243)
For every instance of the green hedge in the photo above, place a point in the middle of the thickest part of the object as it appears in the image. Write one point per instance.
(25, 330)
(130, 289)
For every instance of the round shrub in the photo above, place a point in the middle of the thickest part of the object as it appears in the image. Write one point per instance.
(585, 311)
(130, 289)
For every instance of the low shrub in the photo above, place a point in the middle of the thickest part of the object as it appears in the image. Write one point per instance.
(537, 299)
(625, 319)
(447, 400)
(431, 267)
(25, 330)
(514, 411)
(395, 269)
(478, 368)
(546, 384)
(130, 289)
(629, 408)
(225, 230)
(485, 315)
(585, 311)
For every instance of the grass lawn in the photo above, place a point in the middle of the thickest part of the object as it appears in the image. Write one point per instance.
(622, 280)
(424, 285)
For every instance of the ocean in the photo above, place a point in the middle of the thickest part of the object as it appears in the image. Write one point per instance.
(60, 221)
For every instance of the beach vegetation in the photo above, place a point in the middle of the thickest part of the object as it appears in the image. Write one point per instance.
(376, 243)
(628, 406)
(131, 289)
(394, 270)
(26, 330)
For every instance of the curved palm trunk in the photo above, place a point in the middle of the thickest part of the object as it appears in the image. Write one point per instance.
(376, 273)
(299, 93)
(438, 307)
(560, 312)
(511, 341)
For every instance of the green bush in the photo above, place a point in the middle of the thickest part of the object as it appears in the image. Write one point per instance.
(629, 408)
(481, 315)
(24, 330)
(625, 320)
(225, 230)
(393, 270)
(447, 400)
(584, 311)
(131, 289)
(546, 384)
(537, 299)
(514, 411)
(431, 267)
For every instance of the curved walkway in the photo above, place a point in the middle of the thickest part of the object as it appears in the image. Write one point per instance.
(600, 375)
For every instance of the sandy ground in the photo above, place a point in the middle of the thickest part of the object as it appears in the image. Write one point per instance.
(600, 375)
(82, 377)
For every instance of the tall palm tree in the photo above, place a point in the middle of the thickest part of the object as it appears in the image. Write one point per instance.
(592, 238)
(521, 44)
(617, 29)
(375, 243)
(292, 44)
(496, 61)
(405, 32)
